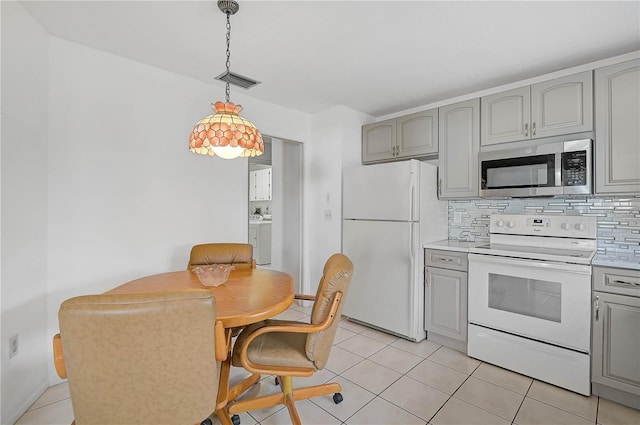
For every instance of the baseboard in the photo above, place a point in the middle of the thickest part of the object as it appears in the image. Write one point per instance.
(615, 395)
(448, 342)
(22, 409)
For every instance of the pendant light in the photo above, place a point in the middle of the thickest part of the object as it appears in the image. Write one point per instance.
(225, 133)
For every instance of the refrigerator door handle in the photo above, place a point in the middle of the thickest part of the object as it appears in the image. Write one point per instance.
(412, 253)
(412, 194)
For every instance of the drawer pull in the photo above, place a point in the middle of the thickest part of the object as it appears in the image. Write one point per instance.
(622, 283)
(448, 260)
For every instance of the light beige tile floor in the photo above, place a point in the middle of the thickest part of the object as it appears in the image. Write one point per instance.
(388, 380)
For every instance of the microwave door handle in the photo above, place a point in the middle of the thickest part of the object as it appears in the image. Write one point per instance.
(558, 170)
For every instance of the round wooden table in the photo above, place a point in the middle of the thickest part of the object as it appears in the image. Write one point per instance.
(249, 296)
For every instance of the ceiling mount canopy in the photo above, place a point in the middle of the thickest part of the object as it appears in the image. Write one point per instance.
(225, 133)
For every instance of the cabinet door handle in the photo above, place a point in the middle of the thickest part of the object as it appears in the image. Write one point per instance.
(439, 188)
(526, 130)
(533, 129)
(597, 308)
(397, 150)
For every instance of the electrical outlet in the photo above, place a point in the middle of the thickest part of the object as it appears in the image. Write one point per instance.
(13, 346)
(327, 215)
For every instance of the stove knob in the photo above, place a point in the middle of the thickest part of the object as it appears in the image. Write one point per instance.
(499, 223)
(566, 226)
(579, 227)
(510, 224)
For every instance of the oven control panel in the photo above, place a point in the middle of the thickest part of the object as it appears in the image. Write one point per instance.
(544, 225)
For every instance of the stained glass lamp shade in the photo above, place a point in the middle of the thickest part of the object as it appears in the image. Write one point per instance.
(226, 134)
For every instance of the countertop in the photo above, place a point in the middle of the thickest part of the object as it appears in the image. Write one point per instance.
(453, 245)
(623, 261)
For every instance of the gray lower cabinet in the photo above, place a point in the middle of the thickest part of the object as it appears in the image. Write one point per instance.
(459, 139)
(615, 361)
(260, 238)
(446, 296)
(617, 93)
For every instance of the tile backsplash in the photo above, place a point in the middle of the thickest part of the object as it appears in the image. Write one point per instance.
(618, 217)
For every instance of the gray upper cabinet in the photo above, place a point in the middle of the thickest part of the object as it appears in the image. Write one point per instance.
(506, 116)
(618, 128)
(410, 136)
(417, 134)
(459, 140)
(550, 108)
(379, 141)
(562, 106)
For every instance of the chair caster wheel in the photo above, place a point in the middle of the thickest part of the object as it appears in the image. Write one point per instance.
(277, 381)
(337, 398)
(235, 419)
(207, 422)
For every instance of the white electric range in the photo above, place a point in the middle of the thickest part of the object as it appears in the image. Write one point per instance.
(530, 297)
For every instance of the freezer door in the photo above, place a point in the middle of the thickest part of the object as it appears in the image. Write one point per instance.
(381, 191)
(384, 291)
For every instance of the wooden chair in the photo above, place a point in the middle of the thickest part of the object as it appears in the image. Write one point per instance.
(287, 349)
(141, 358)
(238, 254)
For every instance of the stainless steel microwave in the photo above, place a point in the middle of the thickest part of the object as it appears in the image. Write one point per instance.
(562, 168)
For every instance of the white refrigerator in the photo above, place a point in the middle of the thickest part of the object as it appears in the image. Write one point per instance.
(388, 212)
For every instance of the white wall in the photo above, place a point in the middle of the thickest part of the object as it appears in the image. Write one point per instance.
(98, 186)
(335, 144)
(24, 209)
(126, 197)
(107, 191)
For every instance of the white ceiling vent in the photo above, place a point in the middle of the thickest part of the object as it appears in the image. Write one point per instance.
(237, 80)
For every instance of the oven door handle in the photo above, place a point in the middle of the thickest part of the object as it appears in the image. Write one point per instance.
(546, 265)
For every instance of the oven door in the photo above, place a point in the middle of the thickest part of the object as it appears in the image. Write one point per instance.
(541, 300)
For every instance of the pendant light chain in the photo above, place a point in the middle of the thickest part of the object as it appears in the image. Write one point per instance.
(228, 90)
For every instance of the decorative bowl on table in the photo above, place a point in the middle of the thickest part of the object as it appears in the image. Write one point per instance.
(213, 274)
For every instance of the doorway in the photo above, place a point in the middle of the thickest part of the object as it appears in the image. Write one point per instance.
(275, 207)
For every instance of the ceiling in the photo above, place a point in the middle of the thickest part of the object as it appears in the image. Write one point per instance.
(376, 57)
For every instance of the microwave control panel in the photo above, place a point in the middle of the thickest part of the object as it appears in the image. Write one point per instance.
(574, 168)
